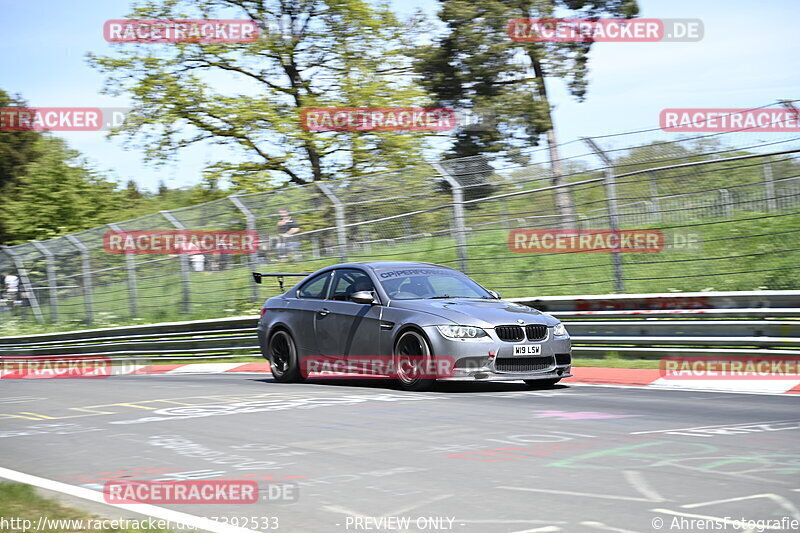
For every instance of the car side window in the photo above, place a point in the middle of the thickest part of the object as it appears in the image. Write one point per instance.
(316, 287)
(346, 281)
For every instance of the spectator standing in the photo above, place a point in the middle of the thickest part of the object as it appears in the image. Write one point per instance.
(10, 295)
(11, 286)
(287, 228)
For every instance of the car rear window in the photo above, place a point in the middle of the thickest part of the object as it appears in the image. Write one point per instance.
(315, 287)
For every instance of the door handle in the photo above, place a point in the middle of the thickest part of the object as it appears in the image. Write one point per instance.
(323, 311)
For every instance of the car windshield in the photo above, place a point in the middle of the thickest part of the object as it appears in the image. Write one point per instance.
(428, 283)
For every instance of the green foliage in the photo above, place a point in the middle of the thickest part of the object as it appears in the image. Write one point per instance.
(312, 53)
(58, 193)
(17, 149)
(475, 64)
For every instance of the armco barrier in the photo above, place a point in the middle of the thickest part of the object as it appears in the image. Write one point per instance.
(637, 325)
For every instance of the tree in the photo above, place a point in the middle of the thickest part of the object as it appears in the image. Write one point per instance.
(132, 191)
(57, 194)
(311, 53)
(17, 150)
(16, 147)
(475, 64)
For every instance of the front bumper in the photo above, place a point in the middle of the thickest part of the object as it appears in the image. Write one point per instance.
(490, 373)
(492, 359)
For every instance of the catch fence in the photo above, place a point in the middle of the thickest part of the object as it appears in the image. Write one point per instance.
(724, 206)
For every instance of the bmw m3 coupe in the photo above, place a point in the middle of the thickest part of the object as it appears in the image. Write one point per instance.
(415, 322)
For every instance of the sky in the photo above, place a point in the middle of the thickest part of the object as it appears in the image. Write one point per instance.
(747, 58)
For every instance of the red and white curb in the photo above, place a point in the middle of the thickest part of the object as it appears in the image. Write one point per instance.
(200, 368)
(651, 377)
(584, 375)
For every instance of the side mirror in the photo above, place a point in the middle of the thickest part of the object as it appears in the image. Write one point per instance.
(363, 297)
(495, 295)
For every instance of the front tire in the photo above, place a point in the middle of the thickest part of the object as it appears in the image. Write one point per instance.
(283, 359)
(412, 353)
(541, 383)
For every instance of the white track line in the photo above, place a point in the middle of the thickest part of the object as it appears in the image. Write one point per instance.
(199, 522)
(604, 527)
(585, 494)
(680, 389)
(638, 482)
(735, 424)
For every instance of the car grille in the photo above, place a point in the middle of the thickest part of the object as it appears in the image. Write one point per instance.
(524, 364)
(509, 333)
(563, 359)
(536, 332)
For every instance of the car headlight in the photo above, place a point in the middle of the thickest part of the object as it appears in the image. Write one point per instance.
(559, 330)
(461, 332)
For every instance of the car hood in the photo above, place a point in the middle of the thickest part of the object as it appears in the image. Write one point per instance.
(481, 313)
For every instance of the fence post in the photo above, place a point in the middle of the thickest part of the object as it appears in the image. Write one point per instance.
(725, 196)
(88, 302)
(338, 209)
(769, 186)
(130, 270)
(654, 197)
(250, 220)
(51, 278)
(25, 281)
(610, 183)
(184, 261)
(459, 231)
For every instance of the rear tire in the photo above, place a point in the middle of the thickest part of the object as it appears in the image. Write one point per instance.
(283, 360)
(541, 383)
(412, 352)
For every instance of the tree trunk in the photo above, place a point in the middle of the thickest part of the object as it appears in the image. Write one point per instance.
(563, 199)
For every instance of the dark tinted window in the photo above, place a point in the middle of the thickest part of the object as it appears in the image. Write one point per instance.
(315, 287)
(346, 281)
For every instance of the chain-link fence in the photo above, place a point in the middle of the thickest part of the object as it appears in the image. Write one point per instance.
(724, 209)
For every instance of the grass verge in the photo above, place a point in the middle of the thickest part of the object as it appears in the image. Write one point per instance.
(25, 510)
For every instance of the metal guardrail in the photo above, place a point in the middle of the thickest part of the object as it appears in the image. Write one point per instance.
(636, 325)
(678, 301)
(198, 339)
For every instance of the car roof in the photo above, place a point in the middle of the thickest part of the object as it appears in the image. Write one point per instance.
(390, 264)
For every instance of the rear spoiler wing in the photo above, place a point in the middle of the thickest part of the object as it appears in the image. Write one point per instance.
(280, 275)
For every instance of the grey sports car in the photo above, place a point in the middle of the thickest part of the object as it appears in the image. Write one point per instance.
(415, 322)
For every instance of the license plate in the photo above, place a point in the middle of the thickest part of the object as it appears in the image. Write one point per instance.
(527, 349)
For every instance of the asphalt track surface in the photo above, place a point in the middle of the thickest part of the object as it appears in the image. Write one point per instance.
(364, 456)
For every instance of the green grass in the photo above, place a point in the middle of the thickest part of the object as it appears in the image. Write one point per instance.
(21, 502)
